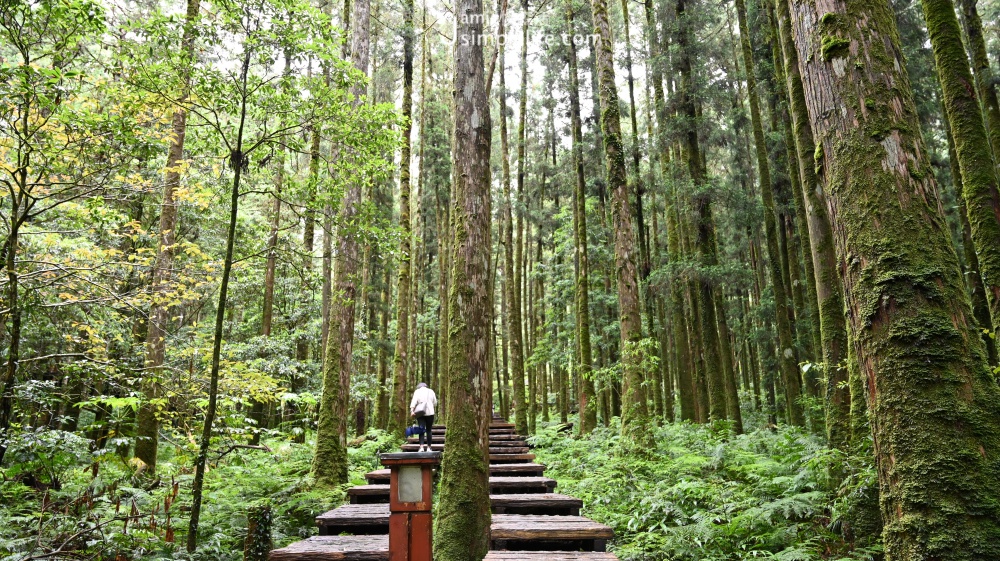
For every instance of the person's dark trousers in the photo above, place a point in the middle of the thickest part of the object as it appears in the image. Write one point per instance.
(427, 421)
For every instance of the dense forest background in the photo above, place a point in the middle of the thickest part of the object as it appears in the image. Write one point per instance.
(229, 225)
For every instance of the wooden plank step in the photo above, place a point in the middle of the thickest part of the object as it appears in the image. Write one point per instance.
(525, 470)
(501, 484)
(495, 439)
(493, 449)
(549, 556)
(367, 494)
(335, 548)
(379, 493)
(354, 519)
(536, 503)
(510, 458)
(502, 425)
(553, 533)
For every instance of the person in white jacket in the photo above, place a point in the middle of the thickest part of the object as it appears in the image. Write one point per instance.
(422, 407)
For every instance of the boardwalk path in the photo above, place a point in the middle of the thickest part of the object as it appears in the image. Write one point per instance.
(530, 521)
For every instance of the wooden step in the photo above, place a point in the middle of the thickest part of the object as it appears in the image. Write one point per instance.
(524, 470)
(510, 458)
(549, 556)
(355, 519)
(378, 477)
(493, 449)
(552, 533)
(381, 476)
(502, 425)
(518, 485)
(495, 440)
(536, 503)
(373, 519)
(335, 548)
(379, 493)
(368, 494)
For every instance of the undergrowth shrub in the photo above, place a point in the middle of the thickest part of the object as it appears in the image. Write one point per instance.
(704, 495)
(103, 510)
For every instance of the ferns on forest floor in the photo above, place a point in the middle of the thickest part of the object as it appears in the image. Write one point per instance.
(117, 514)
(702, 495)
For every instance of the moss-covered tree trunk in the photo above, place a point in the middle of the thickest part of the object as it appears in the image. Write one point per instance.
(330, 461)
(972, 144)
(829, 290)
(786, 358)
(985, 80)
(934, 406)
(400, 361)
(585, 359)
(635, 415)
(462, 531)
(147, 435)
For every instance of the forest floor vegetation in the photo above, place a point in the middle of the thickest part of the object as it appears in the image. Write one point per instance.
(59, 500)
(704, 495)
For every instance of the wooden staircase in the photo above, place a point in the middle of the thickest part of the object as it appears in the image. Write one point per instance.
(530, 521)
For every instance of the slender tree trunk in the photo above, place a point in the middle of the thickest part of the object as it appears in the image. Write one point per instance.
(934, 404)
(147, 423)
(400, 360)
(829, 291)
(236, 159)
(462, 528)
(330, 461)
(635, 416)
(980, 307)
(789, 365)
(585, 359)
(985, 84)
(972, 143)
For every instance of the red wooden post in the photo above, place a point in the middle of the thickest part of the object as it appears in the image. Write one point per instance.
(410, 488)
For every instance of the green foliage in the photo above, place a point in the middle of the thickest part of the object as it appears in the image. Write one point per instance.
(104, 507)
(702, 495)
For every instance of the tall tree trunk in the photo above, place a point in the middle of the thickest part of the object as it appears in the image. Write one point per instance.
(934, 404)
(147, 425)
(972, 144)
(330, 460)
(980, 307)
(462, 527)
(635, 416)
(236, 159)
(829, 291)
(786, 352)
(985, 83)
(585, 359)
(403, 300)
(510, 268)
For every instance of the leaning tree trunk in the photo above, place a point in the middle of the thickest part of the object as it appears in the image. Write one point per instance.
(933, 404)
(330, 461)
(585, 359)
(462, 530)
(147, 425)
(635, 416)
